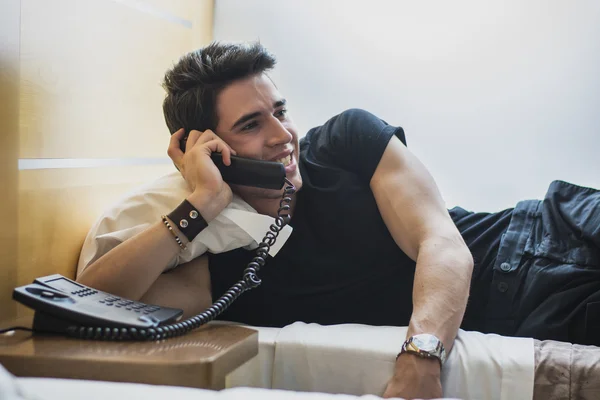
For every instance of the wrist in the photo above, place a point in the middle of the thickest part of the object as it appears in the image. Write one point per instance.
(188, 220)
(415, 328)
(425, 346)
(180, 238)
(207, 205)
(424, 366)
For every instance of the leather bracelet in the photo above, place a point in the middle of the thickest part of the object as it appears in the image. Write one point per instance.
(188, 220)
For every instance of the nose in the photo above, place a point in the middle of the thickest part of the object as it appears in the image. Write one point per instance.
(277, 134)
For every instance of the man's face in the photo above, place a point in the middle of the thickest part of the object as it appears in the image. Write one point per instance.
(253, 120)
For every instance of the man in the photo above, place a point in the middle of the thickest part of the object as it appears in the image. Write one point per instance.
(372, 240)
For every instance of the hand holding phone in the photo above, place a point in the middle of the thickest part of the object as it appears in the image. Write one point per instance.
(246, 171)
(212, 174)
(210, 194)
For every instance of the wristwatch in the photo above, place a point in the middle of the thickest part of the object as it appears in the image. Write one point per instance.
(426, 346)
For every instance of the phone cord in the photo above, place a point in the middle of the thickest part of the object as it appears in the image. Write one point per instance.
(249, 281)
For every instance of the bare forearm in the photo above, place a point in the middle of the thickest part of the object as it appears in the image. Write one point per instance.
(441, 288)
(133, 266)
(186, 287)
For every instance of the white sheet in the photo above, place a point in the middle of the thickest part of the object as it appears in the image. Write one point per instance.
(9, 389)
(359, 359)
(67, 389)
(258, 371)
(12, 388)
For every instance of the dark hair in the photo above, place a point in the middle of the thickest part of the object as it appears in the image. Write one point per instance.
(194, 82)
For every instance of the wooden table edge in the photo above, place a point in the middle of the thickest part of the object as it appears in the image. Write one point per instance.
(209, 372)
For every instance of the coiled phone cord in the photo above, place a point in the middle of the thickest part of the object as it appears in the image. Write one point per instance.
(249, 281)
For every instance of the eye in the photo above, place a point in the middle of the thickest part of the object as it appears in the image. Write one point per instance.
(250, 126)
(281, 113)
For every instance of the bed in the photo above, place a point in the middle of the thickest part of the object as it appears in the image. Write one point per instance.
(358, 359)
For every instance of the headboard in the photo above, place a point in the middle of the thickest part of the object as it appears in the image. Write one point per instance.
(83, 119)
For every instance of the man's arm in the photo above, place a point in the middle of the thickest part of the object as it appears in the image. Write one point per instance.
(416, 216)
(132, 267)
(187, 287)
(129, 269)
(137, 273)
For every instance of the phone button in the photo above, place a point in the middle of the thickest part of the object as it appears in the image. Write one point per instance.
(149, 318)
(48, 295)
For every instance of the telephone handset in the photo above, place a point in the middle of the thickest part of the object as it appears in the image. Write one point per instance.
(67, 307)
(247, 171)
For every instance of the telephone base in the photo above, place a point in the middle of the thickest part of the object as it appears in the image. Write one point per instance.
(46, 323)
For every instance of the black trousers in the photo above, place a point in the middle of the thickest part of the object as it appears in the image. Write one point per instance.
(546, 277)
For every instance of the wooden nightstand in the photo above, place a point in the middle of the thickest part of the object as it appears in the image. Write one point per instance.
(200, 359)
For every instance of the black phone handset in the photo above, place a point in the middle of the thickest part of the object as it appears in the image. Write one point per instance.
(250, 172)
(247, 171)
(67, 307)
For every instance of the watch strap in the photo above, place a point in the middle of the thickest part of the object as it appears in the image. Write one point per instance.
(411, 347)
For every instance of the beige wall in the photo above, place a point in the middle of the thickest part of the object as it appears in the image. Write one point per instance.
(9, 142)
(82, 82)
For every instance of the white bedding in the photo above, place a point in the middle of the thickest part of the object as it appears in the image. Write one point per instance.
(12, 388)
(359, 359)
(68, 389)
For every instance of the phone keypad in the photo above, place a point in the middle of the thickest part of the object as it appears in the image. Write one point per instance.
(129, 305)
(84, 292)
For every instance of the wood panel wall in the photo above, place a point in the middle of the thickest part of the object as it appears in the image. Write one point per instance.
(80, 83)
(9, 151)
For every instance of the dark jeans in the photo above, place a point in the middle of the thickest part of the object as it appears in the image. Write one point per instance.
(546, 279)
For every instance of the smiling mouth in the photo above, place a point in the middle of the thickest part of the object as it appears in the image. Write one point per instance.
(285, 160)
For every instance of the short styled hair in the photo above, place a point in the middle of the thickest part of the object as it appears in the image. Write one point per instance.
(195, 81)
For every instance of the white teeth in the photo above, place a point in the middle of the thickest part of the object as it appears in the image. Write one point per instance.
(286, 160)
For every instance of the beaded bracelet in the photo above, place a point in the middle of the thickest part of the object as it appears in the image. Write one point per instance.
(168, 225)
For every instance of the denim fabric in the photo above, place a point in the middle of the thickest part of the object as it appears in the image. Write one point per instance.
(482, 233)
(546, 278)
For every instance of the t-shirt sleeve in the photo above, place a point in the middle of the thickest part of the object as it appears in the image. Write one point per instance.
(353, 140)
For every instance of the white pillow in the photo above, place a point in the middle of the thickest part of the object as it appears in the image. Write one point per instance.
(9, 389)
(239, 225)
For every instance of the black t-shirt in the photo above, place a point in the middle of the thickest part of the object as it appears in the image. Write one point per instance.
(340, 264)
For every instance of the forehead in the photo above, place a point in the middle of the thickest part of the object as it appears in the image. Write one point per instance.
(254, 94)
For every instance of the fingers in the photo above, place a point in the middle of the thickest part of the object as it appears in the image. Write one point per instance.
(208, 139)
(209, 136)
(206, 136)
(193, 138)
(174, 151)
(219, 146)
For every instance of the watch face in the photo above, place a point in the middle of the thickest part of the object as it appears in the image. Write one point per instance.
(426, 342)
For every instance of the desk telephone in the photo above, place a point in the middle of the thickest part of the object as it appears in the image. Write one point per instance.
(66, 307)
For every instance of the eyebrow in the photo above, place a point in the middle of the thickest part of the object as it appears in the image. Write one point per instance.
(248, 117)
